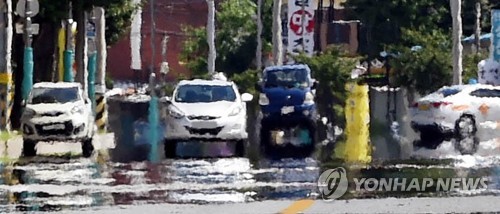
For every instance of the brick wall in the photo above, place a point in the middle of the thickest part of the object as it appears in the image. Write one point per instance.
(171, 15)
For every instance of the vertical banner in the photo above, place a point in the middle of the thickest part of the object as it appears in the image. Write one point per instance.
(301, 26)
(495, 37)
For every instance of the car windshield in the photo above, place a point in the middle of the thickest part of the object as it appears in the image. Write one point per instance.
(288, 78)
(204, 93)
(53, 95)
(449, 91)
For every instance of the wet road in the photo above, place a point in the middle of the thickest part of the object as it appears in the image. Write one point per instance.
(52, 183)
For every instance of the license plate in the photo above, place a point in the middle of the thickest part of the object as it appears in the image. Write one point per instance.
(423, 107)
(204, 124)
(52, 127)
(287, 110)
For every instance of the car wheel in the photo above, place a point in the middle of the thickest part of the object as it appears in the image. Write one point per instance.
(29, 149)
(87, 148)
(465, 135)
(240, 149)
(429, 139)
(170, 148)
(266, 146)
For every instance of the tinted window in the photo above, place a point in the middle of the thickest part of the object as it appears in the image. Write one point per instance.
(287, 78)
(486, 93)
(204, 93)
(53, 95)
(449, 91)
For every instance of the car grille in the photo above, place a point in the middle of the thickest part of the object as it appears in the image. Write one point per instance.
(192, 117)
(67, 131)
(213, 131)
(52, 114)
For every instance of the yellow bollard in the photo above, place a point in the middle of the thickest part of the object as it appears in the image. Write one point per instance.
(61, 44)
(356, 148)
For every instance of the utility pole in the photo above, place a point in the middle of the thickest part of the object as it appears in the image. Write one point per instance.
(69, 53)
(457, 45)
(302, 20)
(135, 41)
(212, 55)
(101, 111)
(277, 40)
(477, 26)
(164, 64)
(258, 54)
(28, 52)
(153, 116)
(81, 46)
(5, 62)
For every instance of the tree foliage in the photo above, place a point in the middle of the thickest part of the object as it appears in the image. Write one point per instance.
(424, 69)
(235, 39)
(118, 14)
(332, 68)
(382, 20)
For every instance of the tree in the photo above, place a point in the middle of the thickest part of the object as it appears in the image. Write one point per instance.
(383, 19)
(212, 55)
(235, 41)
(118, 16)
(277, 40)
(423, 62)
(332, 68)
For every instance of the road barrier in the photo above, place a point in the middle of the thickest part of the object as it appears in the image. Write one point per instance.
(101, 117)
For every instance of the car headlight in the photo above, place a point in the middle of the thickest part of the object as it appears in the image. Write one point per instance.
(77, 109)
(263, 100)
(235, 111)
(29, 112)
(309, 98)
(175, 112)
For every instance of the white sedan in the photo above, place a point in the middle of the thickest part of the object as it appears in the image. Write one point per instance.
(460, 112)
(206, 110)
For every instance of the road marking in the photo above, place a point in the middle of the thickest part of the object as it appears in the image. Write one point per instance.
(298, 206)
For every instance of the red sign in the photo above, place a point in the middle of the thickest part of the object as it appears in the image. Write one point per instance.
(296, 22)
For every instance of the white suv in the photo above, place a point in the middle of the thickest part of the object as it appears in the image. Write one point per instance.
(206, 110)
(57, 112)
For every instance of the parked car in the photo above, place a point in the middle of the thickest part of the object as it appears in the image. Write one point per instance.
(204, 111)
(57, 112)
(288, 110)
(457, 112)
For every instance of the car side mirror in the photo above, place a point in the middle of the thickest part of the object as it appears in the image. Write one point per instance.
(315, 84)
(23, 103)
(166, 99)
(87, 100)
(246, 97)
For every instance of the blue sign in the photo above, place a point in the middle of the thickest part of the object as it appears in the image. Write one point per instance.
(495, 31)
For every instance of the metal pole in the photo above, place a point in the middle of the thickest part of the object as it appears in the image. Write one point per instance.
(258, 54)
(69, 53)
(303, 21)
(153, 103)
(477, 26)
(28, 53)
(92, 65)
(457, 45)
(277, 40)
(212, 55)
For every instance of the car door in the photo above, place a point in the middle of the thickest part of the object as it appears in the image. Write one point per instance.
(487, 104)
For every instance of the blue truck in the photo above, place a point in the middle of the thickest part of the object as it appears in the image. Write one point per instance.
(288, 110)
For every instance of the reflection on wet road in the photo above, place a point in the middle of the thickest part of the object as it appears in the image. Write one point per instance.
(82, 183)
(53, 183)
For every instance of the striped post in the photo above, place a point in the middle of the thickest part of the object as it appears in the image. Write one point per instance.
(101, 112)
(6, 100)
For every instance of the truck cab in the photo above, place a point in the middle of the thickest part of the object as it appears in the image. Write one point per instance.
(287, 93)
(288, 110)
